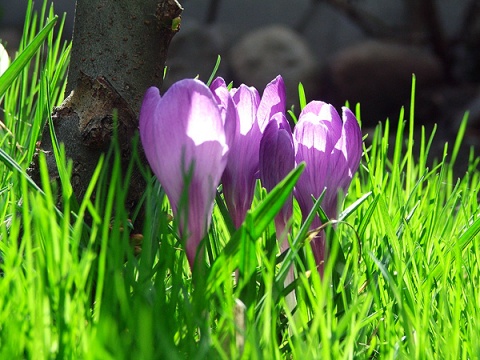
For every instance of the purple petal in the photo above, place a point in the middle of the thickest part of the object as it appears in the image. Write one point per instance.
(246, 100)
(217, 83)
(313, 145)
(147, 122)
(201, 193)
(352, 136)
(240, 174)
(277, 156)
(346, 156)
(227, 108)
(325, 113)
(241, 171)
(273, 101)
(180, 131)
(277, 159)
(331, 148)
(320, 142)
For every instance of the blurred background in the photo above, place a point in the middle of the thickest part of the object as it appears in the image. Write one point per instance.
(341, 50)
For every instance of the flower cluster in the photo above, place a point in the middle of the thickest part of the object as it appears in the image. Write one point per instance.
(200, 136)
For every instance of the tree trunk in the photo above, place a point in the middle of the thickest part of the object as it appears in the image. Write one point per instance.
(119, 50)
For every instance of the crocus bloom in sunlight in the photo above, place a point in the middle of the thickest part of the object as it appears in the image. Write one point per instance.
(183, 136)
(250, 113)
(277, 159)
(331, 148)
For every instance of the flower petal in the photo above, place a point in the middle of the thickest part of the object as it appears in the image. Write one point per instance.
(207, 171)
(277, 159)
(313, 145)
(352, 136)
(184, 138)
(227, 108)
(273, 101)
(147, 123)
(325, 113)
(277, 156)
(246, 100)
(240, 173)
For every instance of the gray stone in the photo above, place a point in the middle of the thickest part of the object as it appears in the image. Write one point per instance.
(378, 76)
(263, 54)
(194, 51)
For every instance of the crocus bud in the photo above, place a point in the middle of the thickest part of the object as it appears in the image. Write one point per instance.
(277, 159)
(183, 136)
(331, 148)
(250, 116)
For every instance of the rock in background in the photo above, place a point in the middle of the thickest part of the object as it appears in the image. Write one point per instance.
(264, 53)
(193, 52)
(378, 75)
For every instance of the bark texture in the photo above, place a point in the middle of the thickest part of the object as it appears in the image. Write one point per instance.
(119, 50)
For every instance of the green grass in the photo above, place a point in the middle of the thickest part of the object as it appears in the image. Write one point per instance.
(401, 281)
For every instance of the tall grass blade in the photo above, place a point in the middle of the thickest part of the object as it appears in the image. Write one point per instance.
(17, 66)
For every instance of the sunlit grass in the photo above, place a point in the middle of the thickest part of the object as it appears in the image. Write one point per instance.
(401, 282)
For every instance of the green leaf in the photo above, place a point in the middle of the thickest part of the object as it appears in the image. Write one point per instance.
(301, 96)
(24, 57)
(367, 216)
(215, 69)
(466, 238)
(459, 138)
(298, 242)
(13, 166)
(259, 218)
(351, 209)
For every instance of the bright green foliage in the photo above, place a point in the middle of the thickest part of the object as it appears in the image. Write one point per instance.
(401, 280)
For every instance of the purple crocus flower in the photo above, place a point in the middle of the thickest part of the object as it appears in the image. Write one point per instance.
(277, 159)
(183, 135)
(250, 113)
(331, 148)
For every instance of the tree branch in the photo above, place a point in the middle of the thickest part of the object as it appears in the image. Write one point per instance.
(119, 50)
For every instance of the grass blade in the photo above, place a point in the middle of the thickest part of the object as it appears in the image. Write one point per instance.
(17, 66)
